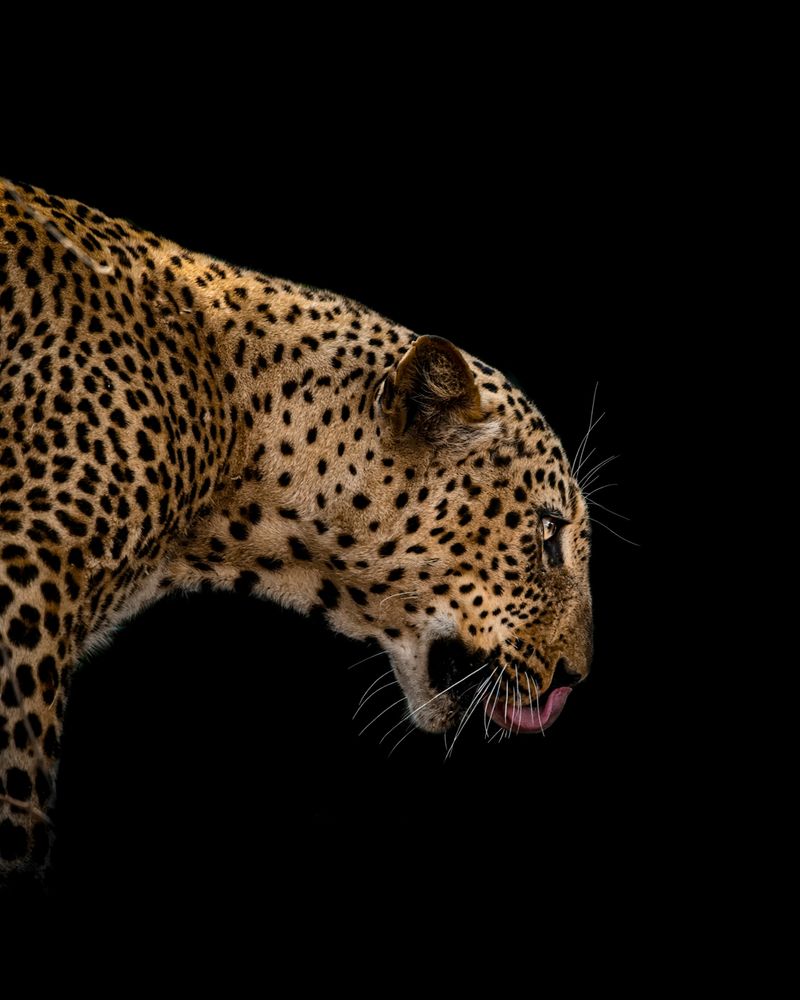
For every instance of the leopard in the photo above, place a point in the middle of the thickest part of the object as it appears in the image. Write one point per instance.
(170, 422)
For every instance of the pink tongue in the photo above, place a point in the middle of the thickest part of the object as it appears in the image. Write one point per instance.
(530, 718)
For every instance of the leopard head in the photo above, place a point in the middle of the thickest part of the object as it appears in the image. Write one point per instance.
(467, 547)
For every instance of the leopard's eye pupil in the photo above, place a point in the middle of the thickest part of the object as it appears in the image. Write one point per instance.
(548, 527)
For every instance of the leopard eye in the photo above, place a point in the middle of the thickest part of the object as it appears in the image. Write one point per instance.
(549, 527)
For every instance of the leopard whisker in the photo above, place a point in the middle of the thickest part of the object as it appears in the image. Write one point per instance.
(594, 503)
(616, 534)
(460, 726)
(538, 710)
(597, 489)
(465, 718)
(580, 458)
(518, 701)
(497, 694)
(406, 718)
(405, 593)
(405, 736)
(586, 458)
(366, 659)
(366, 696)
(487, 714)
(589, 493)
(577, 458)
(593, 473)
(382, 713)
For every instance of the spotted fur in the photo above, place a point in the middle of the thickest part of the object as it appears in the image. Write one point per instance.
(168, 421)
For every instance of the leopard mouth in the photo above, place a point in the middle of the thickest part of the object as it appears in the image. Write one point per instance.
(528, 718)
(450, 659)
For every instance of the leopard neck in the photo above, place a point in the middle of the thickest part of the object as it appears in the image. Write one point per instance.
(273, 348)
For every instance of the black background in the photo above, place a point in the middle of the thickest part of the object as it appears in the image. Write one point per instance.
(213, 743)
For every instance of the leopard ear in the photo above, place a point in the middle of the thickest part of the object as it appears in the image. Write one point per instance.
(431, 391)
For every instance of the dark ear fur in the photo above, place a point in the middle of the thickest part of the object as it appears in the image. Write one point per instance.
(431, 391)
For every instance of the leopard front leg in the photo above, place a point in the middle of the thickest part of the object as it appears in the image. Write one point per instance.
(33, 682)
